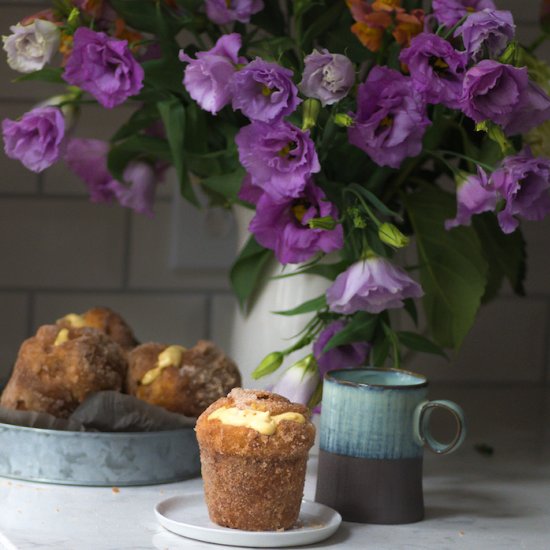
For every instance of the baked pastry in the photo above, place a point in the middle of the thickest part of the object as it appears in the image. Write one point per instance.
(104, 320)
(254, 447)
(58, 367)
(181, 380)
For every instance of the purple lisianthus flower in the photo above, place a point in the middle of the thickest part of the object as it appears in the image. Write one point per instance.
(450, 12)
(87, 158)
(207, 78)
(504, 95)
(249, 192)
(104, 67)
(524, 181)
(279, 157)
(37, 139)
(341, 357)
(283, 226)
(391, 118)
(436, 69)
(222, 12)
(327, 76)
(371, 285)
(473, 197)
(264, 91)
(486, 33)
(139, 193)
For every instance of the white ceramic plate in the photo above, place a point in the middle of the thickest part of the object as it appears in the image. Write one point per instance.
(188, 516)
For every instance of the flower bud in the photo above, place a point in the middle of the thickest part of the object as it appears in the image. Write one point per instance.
(299, 382)
(327, 222)
(269, 364)
(310, 112)
(389, 234)
(343, 120)
(511, 55)
(496, 133)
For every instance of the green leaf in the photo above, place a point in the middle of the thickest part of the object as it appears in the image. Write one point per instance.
(47, 74)
(146, 147)
(173, 117)
(380, 350)
(321, 24)
(420, 343)
(164, 74)
(505, 253)
(270, 18)
(410, 308)
(246, 272)
(374, 200)
(139, 120)
(272, 48)
(146, 16)
(453, 267)
(329, 271)
(227, 185)
(360, 329)
(307, 307)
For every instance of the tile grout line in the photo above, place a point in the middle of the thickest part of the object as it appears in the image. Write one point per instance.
(207, 328)
(546, 351)
(31, 302)
(127, 250)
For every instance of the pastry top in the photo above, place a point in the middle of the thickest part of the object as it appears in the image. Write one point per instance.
(256, 423)
(105, 320)
(58, 367)
(179, 379)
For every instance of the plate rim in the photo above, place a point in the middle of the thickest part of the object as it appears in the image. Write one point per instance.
(273, 539)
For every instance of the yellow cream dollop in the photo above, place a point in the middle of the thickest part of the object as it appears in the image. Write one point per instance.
(62, 337)
(261, 421)
(76, 321)
(170, 357)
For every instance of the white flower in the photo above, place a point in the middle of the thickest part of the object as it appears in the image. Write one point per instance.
(298, 382)
(30, 47)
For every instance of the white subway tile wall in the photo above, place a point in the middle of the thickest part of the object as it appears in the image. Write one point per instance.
(61, 253)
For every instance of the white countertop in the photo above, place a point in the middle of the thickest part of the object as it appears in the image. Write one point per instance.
(473, 501)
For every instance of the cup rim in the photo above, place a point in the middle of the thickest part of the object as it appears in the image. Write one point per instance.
(422, 380)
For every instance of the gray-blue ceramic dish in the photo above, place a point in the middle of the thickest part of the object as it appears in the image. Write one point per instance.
(98, 458)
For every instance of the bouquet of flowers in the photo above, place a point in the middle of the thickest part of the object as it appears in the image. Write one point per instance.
(353, 128)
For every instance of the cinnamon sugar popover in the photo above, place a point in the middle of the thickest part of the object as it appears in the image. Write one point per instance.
(254, 447)
(58, 368)
(181, 380)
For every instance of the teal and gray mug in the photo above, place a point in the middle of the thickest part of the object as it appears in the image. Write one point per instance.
(374, 426)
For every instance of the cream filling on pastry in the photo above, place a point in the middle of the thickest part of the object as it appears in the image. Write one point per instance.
(170, 357)
(76, 321)
(62, 337)
(261, 421)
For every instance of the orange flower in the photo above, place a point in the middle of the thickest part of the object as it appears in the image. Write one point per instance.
(386, 5)
(408, 25)
(93, 7)
(124, 33)
(66, 45)
(371, 30)
(359, 9)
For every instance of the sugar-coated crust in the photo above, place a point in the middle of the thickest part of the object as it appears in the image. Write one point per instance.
(291, 439)
(57, 378)
(110, 323)
(205, 374)
(253, 494)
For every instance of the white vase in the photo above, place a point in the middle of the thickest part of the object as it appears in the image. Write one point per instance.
(260, 331)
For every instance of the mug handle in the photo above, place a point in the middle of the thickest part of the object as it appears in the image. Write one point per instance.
(421, 425)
